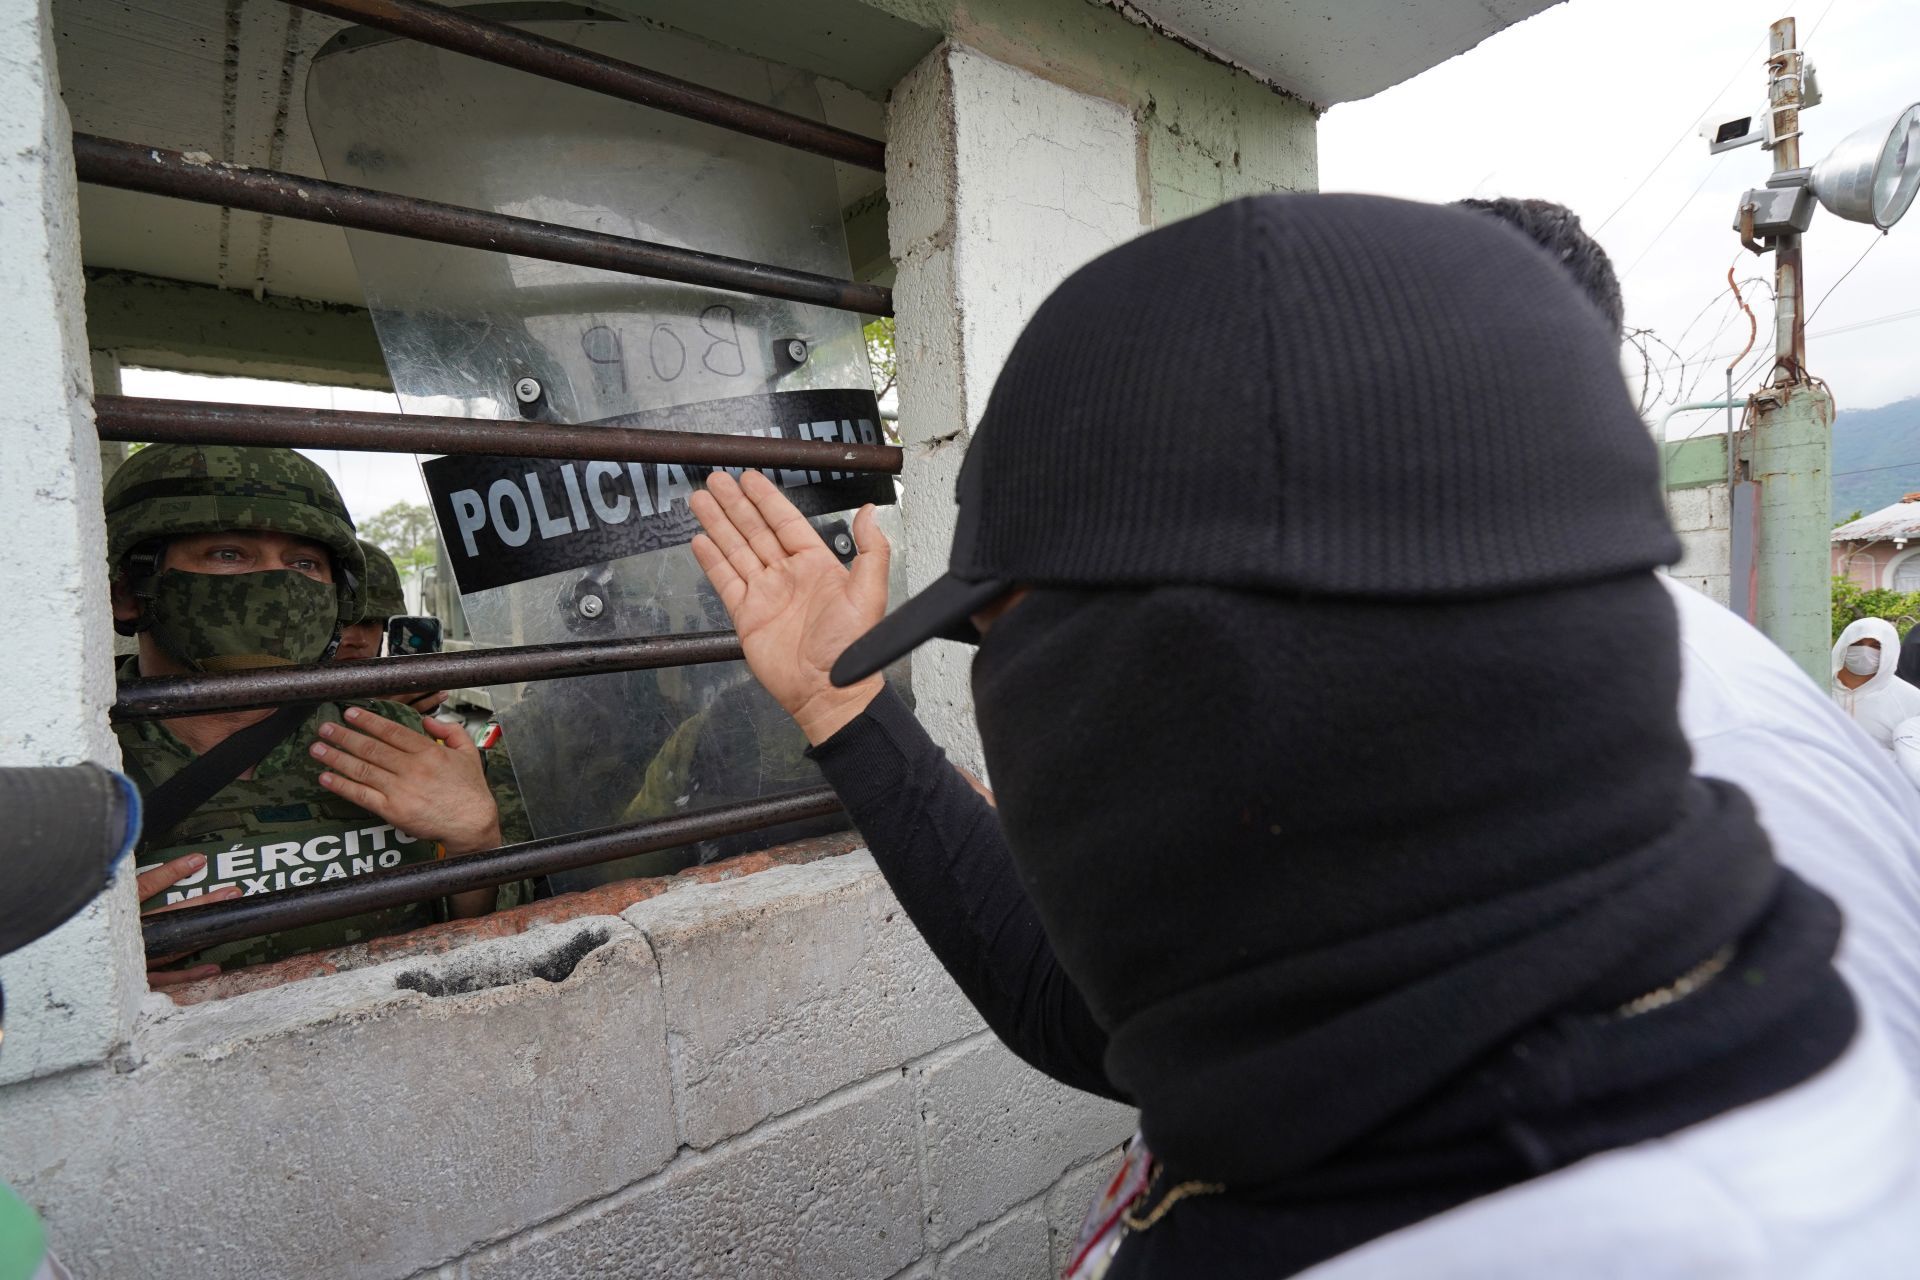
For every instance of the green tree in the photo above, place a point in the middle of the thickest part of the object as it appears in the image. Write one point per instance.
(1851, 602)
(885, 365)
(406, 532)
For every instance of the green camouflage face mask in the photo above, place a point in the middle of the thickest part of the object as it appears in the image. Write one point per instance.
(239, 621)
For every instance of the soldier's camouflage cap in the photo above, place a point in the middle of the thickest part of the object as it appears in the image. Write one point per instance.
(167, 490)
(385, 599)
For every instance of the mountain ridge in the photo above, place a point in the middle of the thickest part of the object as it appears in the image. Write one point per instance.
(1876, 456)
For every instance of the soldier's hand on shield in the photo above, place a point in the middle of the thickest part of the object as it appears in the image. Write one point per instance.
(794, 605)
(431, 785)
(155, 879)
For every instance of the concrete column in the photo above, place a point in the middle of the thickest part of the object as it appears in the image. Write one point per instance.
(71, 996)
(1792, 460)
(1000, 184)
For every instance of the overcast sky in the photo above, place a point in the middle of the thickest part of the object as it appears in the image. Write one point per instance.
(1580, 103)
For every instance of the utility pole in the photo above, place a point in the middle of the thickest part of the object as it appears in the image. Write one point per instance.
(1788, 465)
(1779, 474)
(1786, 92)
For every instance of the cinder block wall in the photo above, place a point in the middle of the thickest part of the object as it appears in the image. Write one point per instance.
(763, 1076)
(1702, 518)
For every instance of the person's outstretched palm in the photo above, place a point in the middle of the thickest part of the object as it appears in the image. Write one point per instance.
(793, 604)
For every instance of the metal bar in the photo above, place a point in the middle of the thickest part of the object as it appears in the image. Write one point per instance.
(198, 422)
(195, 928)
(129, 166)
(411, 673)
(1743, 574)
(522, 50)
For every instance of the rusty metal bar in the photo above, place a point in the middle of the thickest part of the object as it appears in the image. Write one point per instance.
(199, 422)
(416, 673)
(195, 928)
(510, 47)
(157, 171)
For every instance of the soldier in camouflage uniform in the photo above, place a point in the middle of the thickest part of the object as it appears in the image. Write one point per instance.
(230, 559)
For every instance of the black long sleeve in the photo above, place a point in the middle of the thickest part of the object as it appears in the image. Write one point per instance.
(940, 846)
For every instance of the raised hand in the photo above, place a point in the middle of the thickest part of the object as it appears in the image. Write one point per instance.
(795, 607)
(432, 785)
(150, 883)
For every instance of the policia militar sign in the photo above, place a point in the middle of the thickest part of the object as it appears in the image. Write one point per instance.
(506, 520)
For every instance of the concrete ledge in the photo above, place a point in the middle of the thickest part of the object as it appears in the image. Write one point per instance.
(358, 1128)
(785, 986)
(603, 900)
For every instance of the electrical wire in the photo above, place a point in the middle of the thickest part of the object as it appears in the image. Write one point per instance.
(1867, 324)
(1891, 466)
(1871, 246)
(1687, 132)
(1691, 197)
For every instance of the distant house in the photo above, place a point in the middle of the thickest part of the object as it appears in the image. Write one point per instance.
(1881, 549)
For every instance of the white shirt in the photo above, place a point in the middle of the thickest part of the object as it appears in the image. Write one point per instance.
(1821, 1182)
(1830, 799)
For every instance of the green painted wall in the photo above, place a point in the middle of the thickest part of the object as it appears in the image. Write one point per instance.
(1693, 463)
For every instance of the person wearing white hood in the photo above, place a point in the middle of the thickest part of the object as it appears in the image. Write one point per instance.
(1866, 688)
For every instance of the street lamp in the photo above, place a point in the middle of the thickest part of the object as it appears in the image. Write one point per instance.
(1873, 175)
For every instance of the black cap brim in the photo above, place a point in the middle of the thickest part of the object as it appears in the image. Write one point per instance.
(944, 611)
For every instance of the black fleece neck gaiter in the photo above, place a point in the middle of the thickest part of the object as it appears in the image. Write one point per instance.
(1362, 891)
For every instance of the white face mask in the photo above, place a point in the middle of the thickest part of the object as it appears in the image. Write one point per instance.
(1861, 660)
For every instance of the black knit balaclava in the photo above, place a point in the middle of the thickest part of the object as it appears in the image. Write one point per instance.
(1359, 889)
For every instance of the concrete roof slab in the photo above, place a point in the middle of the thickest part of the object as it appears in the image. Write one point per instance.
(1329, 51)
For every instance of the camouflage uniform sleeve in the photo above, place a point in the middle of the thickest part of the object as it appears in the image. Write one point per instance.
(514, 824)
(398, 712)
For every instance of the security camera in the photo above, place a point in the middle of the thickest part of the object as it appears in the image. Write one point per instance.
(1728, 132)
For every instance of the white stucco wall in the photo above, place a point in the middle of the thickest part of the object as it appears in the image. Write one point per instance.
(70, 997)
(1001, 184)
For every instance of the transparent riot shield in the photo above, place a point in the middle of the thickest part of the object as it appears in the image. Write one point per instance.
(486, 335)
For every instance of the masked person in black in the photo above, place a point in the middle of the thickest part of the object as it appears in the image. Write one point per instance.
(1416, 960)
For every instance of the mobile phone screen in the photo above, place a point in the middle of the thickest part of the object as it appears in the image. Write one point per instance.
(411, 634)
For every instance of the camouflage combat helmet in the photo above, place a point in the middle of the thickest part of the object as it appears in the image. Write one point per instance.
(166, 490)
(384, 596)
